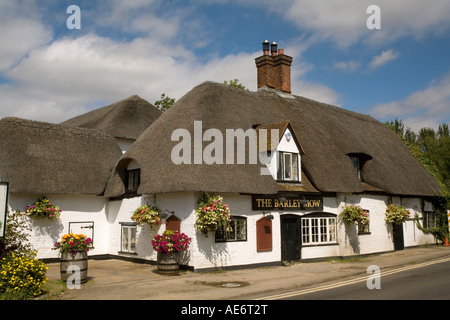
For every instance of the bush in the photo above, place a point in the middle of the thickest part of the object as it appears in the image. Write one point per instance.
(21, 277)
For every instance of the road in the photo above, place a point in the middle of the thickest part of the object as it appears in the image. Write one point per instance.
(426, 281)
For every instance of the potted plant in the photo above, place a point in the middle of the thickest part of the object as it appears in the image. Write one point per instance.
(147, 214)
(212, 213)
(169, 245)
(396, 214)
(354, 214)
(73, 249)
(43, 208)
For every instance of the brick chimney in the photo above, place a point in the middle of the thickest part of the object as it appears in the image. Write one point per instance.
(274, 69)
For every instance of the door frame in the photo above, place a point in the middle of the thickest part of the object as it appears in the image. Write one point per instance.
(399, 239)
(297, 238)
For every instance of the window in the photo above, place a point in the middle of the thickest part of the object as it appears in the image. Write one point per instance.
(357, 165)
(288, 166)
(364, 228)
(429, 219)
(236, 232)
(318, 230)
(128, 244)
(133, 180)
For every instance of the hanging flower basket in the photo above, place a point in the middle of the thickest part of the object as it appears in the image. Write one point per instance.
(212, 214)
(354, 214)
(396, 214)
(43, 208)
(147, 214)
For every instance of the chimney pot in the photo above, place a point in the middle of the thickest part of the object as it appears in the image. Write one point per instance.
(273, 48)
(280, 51)
(265, 47)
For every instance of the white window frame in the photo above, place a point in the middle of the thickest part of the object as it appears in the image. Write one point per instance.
(126, 238)
(318, 230)
(293, 169)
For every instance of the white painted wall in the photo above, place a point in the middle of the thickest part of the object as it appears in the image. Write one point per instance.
(74, 209)
(204, 252)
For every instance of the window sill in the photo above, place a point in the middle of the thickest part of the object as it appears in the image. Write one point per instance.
(126, 252)
(320, 244)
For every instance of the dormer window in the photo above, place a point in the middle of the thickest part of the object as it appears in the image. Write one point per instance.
(357, 165)
(133, 180)
(288, 166)
(282, 152)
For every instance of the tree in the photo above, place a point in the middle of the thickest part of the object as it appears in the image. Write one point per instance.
(164, 103)
(432, 149)
(235, 83)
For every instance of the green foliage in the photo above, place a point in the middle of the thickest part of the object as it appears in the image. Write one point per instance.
(164, 103)
(430, 147)
(16, 235)
(235, 83)
(21, 277)
(440, 231)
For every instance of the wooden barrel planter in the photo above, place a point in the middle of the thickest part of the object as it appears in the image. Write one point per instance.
(169, 263)
(74, 263)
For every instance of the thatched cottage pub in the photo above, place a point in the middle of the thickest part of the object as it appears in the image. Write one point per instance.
(318, 159)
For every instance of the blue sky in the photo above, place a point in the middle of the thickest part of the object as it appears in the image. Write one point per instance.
(148, 47)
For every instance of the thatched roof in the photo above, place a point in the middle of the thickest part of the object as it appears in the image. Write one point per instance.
(327, 134)
(44, 158)
(127, 118)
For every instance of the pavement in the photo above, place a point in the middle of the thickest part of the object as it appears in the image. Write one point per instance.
(116, 279)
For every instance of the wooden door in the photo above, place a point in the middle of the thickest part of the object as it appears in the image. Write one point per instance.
(399, 242)
(290, 238)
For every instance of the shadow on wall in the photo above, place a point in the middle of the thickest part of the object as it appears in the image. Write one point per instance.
(216, 253)
(351, 237)
(47, 228)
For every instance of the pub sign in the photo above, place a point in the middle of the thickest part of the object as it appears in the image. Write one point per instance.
(277, 202)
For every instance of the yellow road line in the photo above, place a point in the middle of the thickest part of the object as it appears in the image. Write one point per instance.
(348, 282)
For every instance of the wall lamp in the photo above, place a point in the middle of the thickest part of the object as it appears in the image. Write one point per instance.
(269, 216)
(164, 215)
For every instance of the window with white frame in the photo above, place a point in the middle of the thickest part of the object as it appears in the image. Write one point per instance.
(128, 238)
(236, 232)
(288, 166)
(318, 230)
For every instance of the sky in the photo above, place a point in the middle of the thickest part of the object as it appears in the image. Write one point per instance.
(52, 72)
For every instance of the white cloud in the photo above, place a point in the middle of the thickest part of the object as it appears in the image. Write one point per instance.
(429, 107)
(347, 66)
(344, 22)
(20, 32)
(383, 58)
